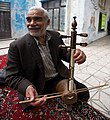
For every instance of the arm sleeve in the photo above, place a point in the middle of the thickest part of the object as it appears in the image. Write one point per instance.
(14, 72)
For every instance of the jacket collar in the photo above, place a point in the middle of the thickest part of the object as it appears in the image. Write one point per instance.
(35, 50)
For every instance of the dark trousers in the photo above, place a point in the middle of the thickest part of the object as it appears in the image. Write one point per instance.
(51, 84)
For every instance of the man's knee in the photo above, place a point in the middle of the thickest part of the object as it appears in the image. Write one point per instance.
(83, 95)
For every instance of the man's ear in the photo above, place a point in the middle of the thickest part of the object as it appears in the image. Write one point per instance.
(48, 22)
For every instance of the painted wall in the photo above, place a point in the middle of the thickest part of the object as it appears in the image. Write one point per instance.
(87, 13)
(91, 19)
(19, 10)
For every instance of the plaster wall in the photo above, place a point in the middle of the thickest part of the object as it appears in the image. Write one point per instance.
(87, 13)
(91, 20)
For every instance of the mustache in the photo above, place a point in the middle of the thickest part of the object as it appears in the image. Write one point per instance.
(33, 27)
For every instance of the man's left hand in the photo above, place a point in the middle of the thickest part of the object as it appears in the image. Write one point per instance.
(79, 56)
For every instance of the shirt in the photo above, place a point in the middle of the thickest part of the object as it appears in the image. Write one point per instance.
(50, 71)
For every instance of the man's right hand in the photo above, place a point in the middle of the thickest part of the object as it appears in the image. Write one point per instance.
(32, 94)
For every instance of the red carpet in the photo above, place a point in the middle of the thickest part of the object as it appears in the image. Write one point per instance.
(3, 60)
(53, 109)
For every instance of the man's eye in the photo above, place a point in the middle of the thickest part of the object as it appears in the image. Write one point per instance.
(38, 19)
(28, 19)
(35, 19)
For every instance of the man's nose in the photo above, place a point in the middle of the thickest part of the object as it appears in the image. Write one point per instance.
(32, 22)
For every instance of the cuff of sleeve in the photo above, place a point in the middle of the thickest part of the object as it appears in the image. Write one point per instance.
(23, 85)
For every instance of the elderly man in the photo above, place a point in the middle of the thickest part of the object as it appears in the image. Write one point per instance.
(35, 64)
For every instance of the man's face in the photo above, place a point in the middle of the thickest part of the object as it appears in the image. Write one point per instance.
(36, 23)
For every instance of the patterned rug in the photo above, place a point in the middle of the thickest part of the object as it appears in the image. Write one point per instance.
(3, 61)
(53, 109)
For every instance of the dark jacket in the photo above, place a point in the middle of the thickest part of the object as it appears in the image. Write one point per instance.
(25, 66)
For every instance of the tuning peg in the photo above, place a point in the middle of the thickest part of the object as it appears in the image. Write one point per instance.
(83, 34)
(82, 44)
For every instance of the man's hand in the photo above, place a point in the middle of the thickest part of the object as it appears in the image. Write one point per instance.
(32, 94)
(79, 56)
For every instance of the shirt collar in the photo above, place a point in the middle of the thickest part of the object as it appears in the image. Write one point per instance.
(48, 37)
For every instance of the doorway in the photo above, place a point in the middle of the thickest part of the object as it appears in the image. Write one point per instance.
(5, 20)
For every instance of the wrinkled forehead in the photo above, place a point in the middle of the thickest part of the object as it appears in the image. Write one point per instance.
(33, 13)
